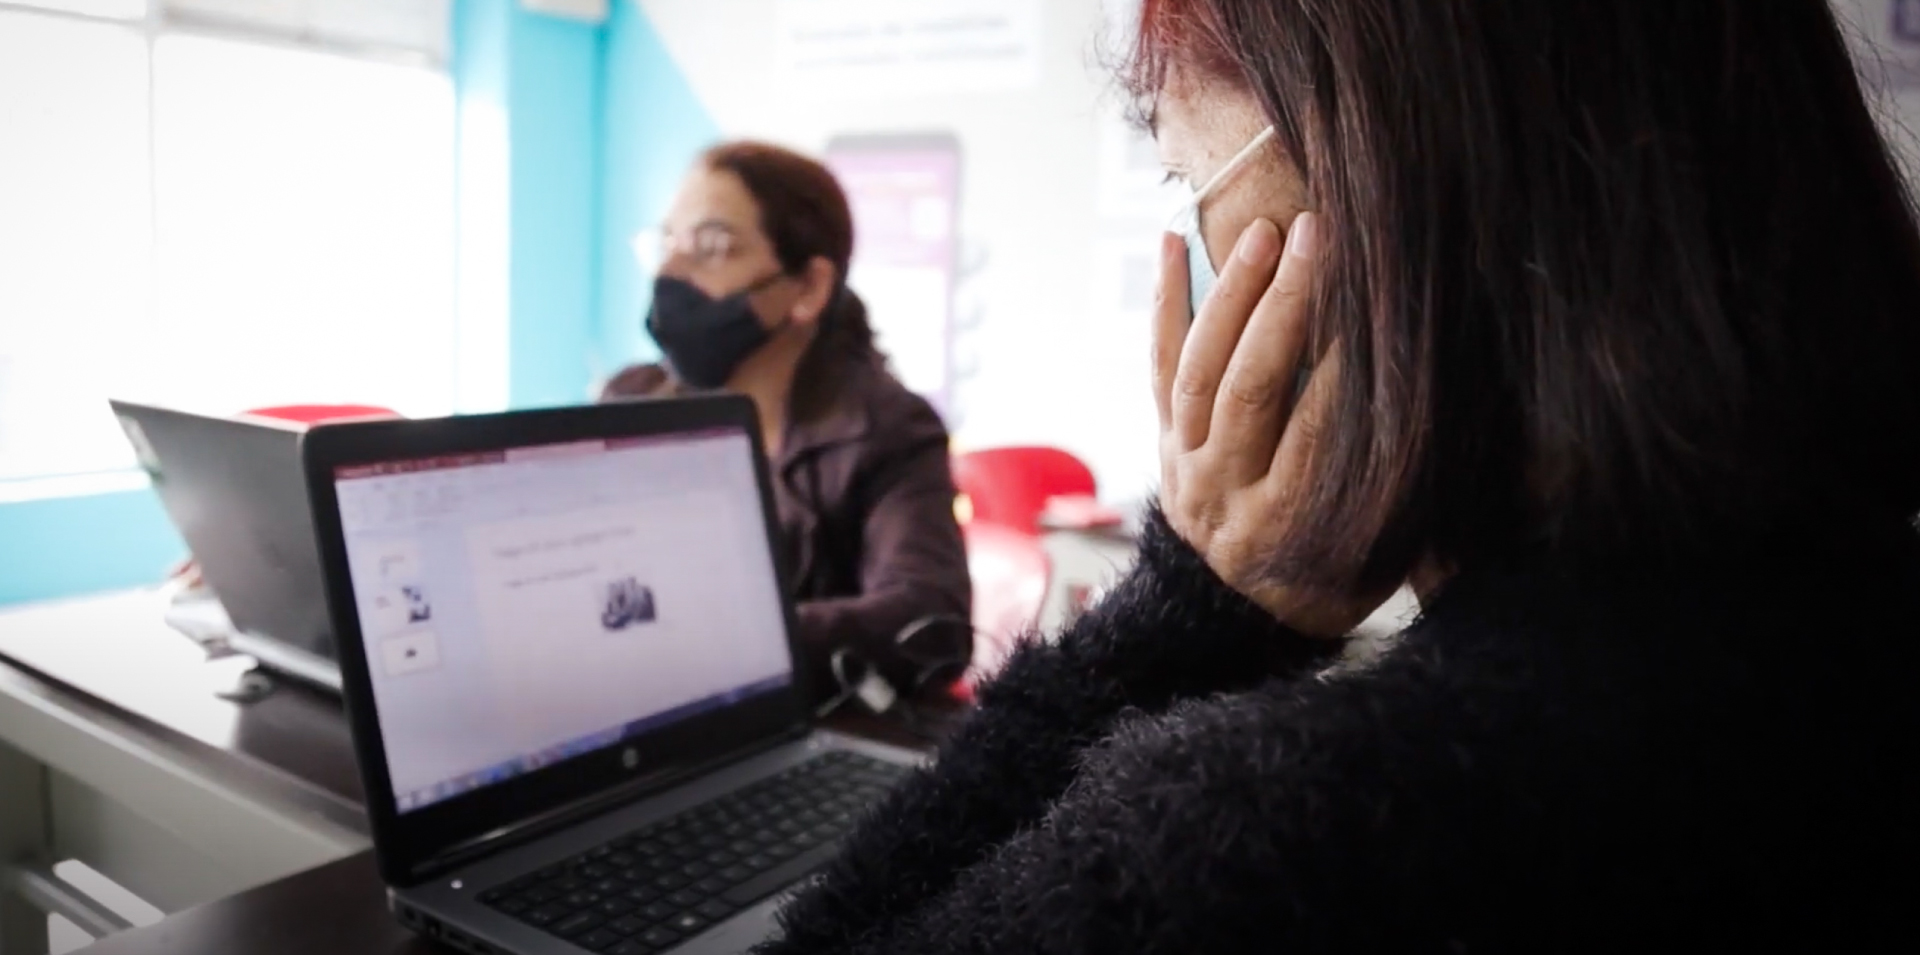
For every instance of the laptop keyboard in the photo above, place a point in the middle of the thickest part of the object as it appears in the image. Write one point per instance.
(646, 891)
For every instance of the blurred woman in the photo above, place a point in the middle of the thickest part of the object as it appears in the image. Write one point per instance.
(752, 298)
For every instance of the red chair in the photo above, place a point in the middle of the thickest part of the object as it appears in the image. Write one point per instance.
(315, 414)
(1009, 572)
(1013, 487)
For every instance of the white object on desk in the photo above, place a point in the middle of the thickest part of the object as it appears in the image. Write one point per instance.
(1081, 565)
(198, 615)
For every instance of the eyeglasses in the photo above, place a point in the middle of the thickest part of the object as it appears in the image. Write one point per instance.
(704, 244)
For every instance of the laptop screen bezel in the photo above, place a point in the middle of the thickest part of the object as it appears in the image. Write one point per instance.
(408, 845)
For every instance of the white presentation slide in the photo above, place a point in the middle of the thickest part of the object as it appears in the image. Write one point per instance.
(591, 618)
(513, 607)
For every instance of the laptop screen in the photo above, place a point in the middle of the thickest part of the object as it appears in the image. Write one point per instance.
(526, 606)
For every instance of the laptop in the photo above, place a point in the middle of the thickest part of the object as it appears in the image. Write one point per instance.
(572, 680)
(234, 489)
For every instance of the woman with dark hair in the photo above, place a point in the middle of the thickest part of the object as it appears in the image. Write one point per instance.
(1607, 311)
(752, 298)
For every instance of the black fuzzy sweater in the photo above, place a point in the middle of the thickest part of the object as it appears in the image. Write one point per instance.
(1702, 761)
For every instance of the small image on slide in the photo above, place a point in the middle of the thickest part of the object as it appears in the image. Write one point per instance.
(398, 560)
(411, 653)
(387, 611)
(418, 609)
(626, 603)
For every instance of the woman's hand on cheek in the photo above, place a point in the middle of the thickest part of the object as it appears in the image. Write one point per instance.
(1233, 442)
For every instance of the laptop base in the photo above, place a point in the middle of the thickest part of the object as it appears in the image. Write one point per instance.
(452, 909)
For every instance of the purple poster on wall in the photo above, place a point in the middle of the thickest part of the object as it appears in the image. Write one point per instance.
(905, 192)
(1906, 21)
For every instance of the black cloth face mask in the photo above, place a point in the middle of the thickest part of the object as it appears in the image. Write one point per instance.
(704, 338)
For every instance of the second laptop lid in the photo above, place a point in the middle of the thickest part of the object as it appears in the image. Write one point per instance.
(235, 490)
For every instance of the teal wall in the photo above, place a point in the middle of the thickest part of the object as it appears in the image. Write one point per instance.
(600, 126)
(553, 117)
(654, 128)
(69, 545)
(541, 77)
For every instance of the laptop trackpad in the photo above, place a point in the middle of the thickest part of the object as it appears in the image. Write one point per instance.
(739, 933)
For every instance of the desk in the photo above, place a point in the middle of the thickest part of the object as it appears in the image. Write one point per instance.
(334, 909)
(243, 822)
(115, 751)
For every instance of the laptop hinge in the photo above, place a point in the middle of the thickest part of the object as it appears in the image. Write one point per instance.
(586, 807)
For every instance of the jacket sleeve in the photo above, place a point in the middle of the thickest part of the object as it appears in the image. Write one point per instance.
(1169, 630)
(912, 561)
(637, 381)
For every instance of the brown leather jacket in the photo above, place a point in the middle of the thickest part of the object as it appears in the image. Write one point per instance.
(865, 498)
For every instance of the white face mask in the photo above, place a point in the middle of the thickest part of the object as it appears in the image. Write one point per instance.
(1186, 224)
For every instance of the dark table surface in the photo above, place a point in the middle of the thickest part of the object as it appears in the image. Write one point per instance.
(336, 909)
(106, 659)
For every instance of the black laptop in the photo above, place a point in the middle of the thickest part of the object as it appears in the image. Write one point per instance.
(234, 489)
(571, 675)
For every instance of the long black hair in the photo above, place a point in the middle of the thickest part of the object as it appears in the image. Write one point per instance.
(1629, 279)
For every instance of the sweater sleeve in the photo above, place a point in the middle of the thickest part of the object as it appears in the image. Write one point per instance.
(1169, 630)
(1223, 824)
